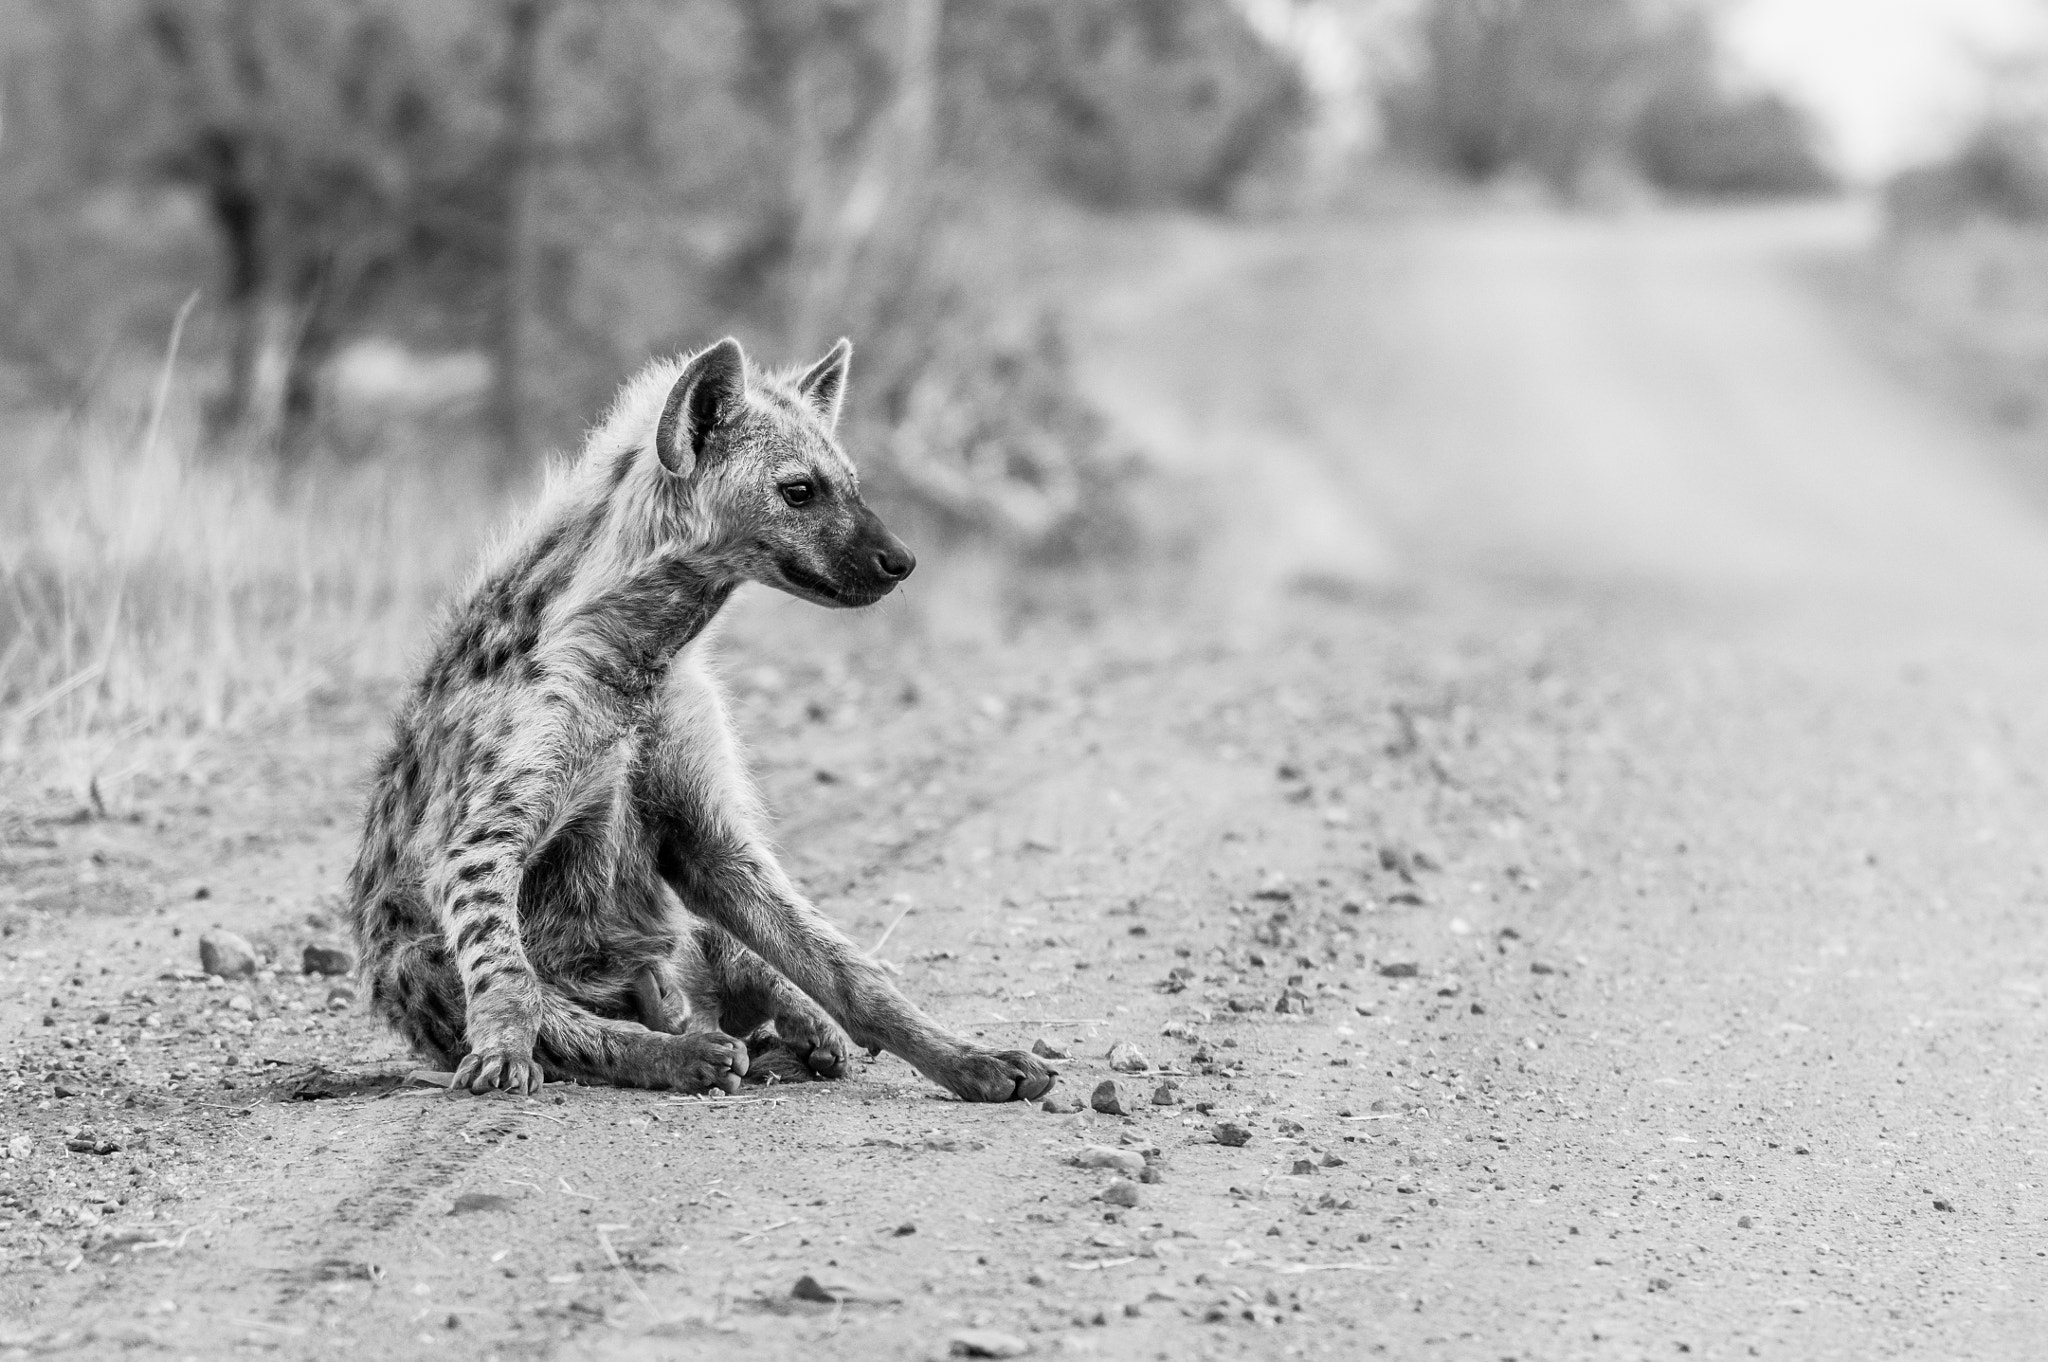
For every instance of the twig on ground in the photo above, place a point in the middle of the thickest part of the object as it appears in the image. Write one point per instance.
(604, 1241)
(769, 1229)
(890, 930)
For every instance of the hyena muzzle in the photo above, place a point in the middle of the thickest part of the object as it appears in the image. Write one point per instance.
(563, 872)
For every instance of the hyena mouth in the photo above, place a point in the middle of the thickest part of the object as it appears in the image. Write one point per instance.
(812, 584)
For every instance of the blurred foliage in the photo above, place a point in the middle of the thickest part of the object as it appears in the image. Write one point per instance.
(1583, 94)
(643, 176)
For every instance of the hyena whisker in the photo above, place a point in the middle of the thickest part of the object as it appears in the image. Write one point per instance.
(564, 870)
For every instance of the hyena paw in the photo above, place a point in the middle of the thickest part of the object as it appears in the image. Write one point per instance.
(816, 1040)
(481, 1071)
(978, 1075)
(699, 1062)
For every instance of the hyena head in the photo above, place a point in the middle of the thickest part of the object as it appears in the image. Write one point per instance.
(778, 497)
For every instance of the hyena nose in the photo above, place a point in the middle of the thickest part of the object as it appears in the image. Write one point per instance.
(895, 561)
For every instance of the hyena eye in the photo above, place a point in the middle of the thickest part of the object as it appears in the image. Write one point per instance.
(797, 491)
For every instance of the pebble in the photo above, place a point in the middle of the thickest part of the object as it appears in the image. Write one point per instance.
(1230, 1133)
(1399, 969)
(1059, 1104)
(227, 955)
(323, 958)
(1303, 1167)
(1129, 1162)
(1165, 1096)
(1943, 1204)
(833, 1288)
(1045, 1049)
(986, 1343)
(1109, 1099)
(92, 1144)
(1127, 1058)
(1122, 1192)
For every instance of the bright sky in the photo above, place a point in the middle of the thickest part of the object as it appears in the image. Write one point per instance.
(1891, 80)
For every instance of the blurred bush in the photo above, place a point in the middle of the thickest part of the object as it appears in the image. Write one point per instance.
(565, 186)
(1587, 96)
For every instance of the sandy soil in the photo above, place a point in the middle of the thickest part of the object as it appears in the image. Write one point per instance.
(1578, 809)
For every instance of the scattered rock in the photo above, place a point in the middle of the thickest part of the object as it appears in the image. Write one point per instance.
(1293, 1001)
(1129, 1162)
(1303, 1167)
(1743, 1223)
(1122, 1192)
(1127, 1058)
(1165, 1095)
(1109, 1098)
(227, 955)
(1045, 1049)
(473, 1203)
(92, 1144)
(63, 1090)
(1399, 969)
(1231, 1133)
(1539, 967)
(323, 958)
(1059, 1104)
(1940, 1204)
(1333, 1161)
(986, 1343)
(831, 1287)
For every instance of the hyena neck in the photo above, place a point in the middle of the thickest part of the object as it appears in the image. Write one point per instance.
(627, 635)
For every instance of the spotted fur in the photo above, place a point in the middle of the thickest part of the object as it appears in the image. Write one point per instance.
(563, 872)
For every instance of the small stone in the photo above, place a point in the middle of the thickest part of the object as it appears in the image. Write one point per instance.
(227, 955)
(63, 1090)
(1743, 1223)
(1230, 1133)
(1129, 1162)
(323, 958)
(1127, 1058)
(1165, 1096)
(833, 1287)
(1059, 1104)
(1109, 1099)
(1045, 1049)
(92, 1144)
(1943, 1204)
(986, 1343)
(1303, 1167)
(1122, 1192)
(1399, 969)
(1333, 1161)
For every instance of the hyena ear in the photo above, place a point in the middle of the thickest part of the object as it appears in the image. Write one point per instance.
(707, 392)
(825, 385)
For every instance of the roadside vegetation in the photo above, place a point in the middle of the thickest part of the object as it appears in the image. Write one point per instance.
(289, 308)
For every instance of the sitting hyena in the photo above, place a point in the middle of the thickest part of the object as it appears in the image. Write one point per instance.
(563, 872)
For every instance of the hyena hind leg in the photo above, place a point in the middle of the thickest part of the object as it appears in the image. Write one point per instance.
(736, 991)
(576, 1044)
(414, 987)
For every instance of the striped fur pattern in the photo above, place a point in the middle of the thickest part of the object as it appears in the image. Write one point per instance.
(563, 871)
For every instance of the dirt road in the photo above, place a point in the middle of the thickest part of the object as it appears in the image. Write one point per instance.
(1579, 812)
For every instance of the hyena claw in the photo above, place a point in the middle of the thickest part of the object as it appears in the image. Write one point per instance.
(977, 1075)
(484, 1071)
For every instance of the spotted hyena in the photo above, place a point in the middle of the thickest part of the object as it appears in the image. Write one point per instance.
(563, 872)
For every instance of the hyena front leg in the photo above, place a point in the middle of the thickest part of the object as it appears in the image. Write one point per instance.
(501, 995)
(728, 875)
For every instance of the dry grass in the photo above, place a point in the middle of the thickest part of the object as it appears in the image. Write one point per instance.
(150, 593)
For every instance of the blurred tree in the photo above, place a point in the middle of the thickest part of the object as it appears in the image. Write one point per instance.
(1573, 90)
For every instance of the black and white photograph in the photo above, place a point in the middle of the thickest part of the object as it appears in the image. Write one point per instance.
(766, 680)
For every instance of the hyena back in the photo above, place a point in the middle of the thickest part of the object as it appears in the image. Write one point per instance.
(563, 871)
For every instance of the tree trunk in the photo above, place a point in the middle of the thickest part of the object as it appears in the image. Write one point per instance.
(513, 323)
